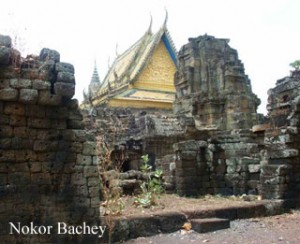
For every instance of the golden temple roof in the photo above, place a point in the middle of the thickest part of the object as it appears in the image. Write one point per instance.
(127, 66)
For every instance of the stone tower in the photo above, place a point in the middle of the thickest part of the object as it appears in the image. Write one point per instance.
(212, 87)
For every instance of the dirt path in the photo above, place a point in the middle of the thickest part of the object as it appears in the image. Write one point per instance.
(276, 229)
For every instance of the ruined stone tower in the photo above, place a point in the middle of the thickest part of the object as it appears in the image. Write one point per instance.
(212, 86)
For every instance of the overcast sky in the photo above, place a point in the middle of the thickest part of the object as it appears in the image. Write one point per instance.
(266, 33)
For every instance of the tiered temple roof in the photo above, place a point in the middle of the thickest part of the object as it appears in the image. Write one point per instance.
(143, 75)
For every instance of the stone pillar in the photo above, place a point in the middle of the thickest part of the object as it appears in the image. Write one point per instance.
(191, 174)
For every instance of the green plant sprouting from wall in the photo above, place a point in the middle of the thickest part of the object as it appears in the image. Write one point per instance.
(152, 187)
(295, 65)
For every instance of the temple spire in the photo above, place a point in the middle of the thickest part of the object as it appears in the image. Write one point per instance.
(117, 53)
(166, 20)
(95, 77)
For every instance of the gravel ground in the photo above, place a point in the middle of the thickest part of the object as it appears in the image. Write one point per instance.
(276, 229)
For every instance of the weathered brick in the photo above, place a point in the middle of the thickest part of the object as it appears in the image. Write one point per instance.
(41, 85)
(78, 179)
(45, 156)
(254, 168)
(65, 77)
(76, 147)
(94, 191)
(5, 41)
(4, 119)
(25, 155)
(43, 146)
(89, 148)
(17, 120)
(28, 96)
(7, 155)
(14, 109)
(93, 181)
(53, 167)
(75, 124)
(18, 178)
(4, 83)
(24, 132)
(20, 83)
(6, 131)
(40, 123)
(84, 160)
(64, 67)
(76, 115)
(20, 143)
(49, 134)
(57, 112)
(46, 98)
(5, 143)
(68, 135)
(18, 167)
(3, 179)
(90, 171)
(80, 135)
(35, 167)
(64, 89)
(5, 55)
(95, 160)
(9, 94)
(58, 124)
(41, 178)
(35, 111)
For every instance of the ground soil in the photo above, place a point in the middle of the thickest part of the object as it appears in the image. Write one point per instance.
(275, 229)
(172, 202)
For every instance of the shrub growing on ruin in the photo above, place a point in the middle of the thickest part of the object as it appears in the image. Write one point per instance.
(152, 187)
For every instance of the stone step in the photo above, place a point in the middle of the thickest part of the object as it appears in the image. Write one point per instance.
(209, 224)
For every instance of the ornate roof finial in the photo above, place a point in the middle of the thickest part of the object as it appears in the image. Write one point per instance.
(117, 54)
(108, 62)
(149, 31)
(166, 19)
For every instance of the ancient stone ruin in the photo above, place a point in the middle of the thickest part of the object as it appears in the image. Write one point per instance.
(212, 142)
(48, 168)
(212, 86)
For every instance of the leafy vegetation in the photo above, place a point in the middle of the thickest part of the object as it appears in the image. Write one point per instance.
(151, 188)
(295, 65)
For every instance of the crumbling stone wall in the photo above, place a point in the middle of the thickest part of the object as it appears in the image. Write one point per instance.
(48, 166)
(216, 166)
(131, 133)
(280, 164)
(214, 96)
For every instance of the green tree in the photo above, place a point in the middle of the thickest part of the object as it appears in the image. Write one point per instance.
(295, 65)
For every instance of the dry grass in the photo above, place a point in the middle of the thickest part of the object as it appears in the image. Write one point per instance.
(172, 202)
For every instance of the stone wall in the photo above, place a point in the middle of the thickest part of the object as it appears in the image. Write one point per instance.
(48, 166)
(280, 175)
(130, 133)
(226, 165)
